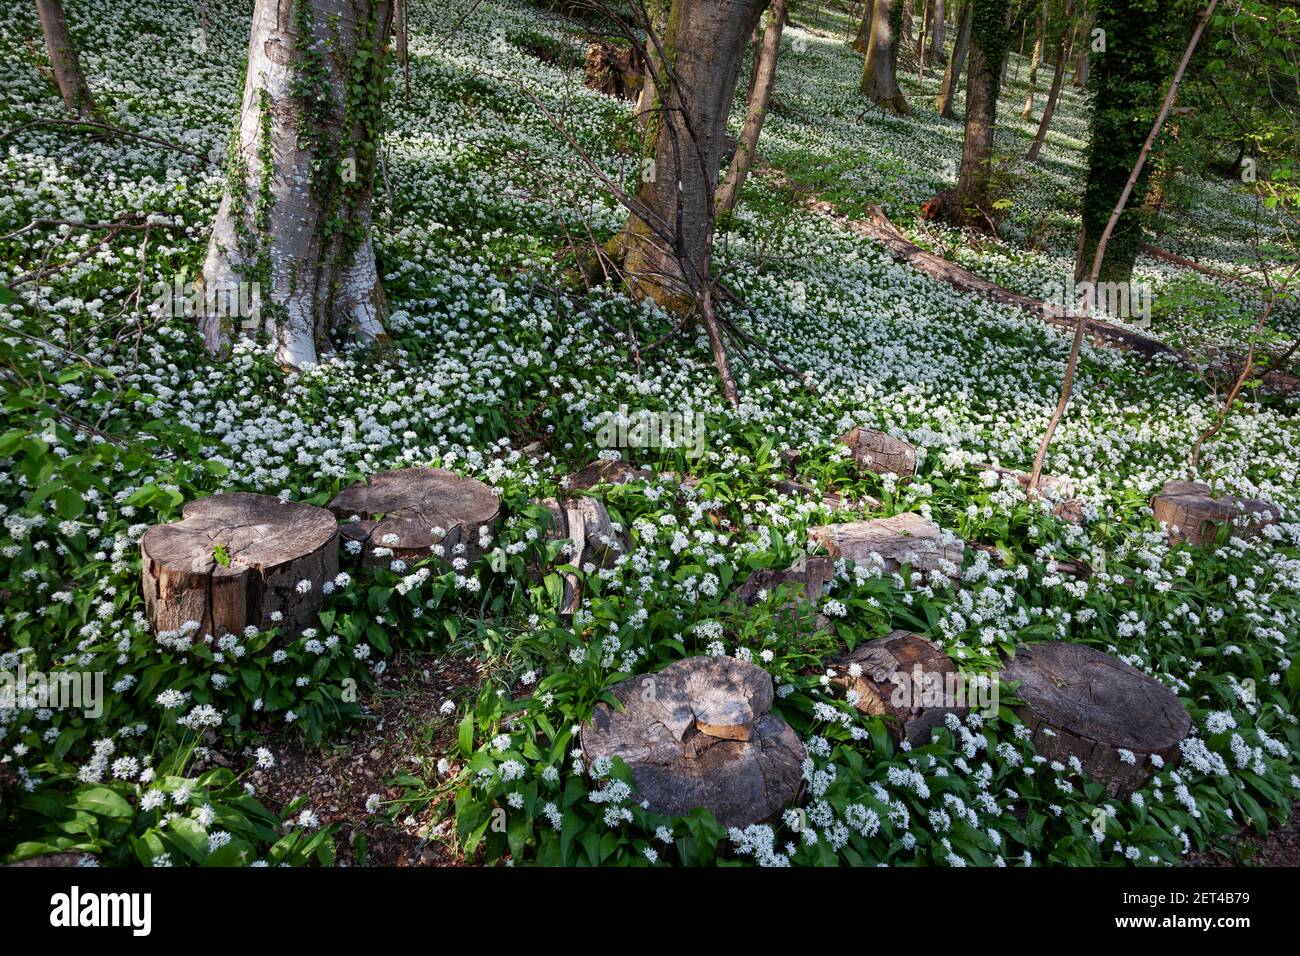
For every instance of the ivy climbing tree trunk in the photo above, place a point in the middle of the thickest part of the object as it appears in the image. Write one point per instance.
(294, 221)
(952, 74)
(970, 205)
(1127, 79)
(63, 60)
(879, 70)
(756, 109)
(668, 240)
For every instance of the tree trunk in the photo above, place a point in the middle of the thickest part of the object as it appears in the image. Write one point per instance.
(1034, 60)
(952, 74)
(879, 80)
(937, 53)
(294, 222)
(756, 109)
(864, 29)
(646, 103)
(63, 60)
(668, 240)
(972, 206)
(1058, 76)
(1084, 45)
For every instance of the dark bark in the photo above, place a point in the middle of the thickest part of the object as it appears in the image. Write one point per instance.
(952, 74)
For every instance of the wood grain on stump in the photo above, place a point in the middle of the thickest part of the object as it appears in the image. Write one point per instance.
(902, 539)
(409, 510)
(700, 733)
(266, 548)
(1080, 702)
(585, 524)
(884, 454)
(904, 679)
(1191, 513)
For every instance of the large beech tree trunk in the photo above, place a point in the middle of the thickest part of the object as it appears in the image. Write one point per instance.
(294, 222)
(879, 80)
(668, 240)
(756, 109)
(952, 74)
(63, 60)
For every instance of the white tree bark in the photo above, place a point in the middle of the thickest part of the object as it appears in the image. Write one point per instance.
(295, 218)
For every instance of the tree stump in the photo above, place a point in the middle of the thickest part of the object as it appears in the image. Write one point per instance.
(585, 523)
(904, 679)
(808, 576)
(235, 559)
(1060, 491)
(613, 70)
(1111, 716)
(410, 510)
(885, 455)
(1189, 513)
(700, 733)
(903, 539)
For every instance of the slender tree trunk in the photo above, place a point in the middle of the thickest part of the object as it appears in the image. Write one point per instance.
(1054, 94)
(1034, 60)
(401, 29)
(971, 205)
(294, 221)
(1094, 274)
(879, 79)
(952, 74)
(864, 29)
(63, 60)
(1082, 57)
(668, 240)
(938, 55)
(755, 110)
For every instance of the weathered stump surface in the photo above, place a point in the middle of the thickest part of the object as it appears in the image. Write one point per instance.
(884, 454)
(266, 548)
(1190, 513)
(700, 733)
(904, 679)
(1098, 709)
(902, 539)
(607, 472)
(409, 510)
(585, 524)
(809, 578)
(614, 70)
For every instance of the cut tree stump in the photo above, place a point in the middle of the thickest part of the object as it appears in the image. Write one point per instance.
(884, 454)
(267, 547)
(1190, 513)
(1080, 702)
(607, 472)
(700, 733)
(409, 510)
(585, 523)
(614, 70)
(809, 577)
(906, 680)
(902, 539)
